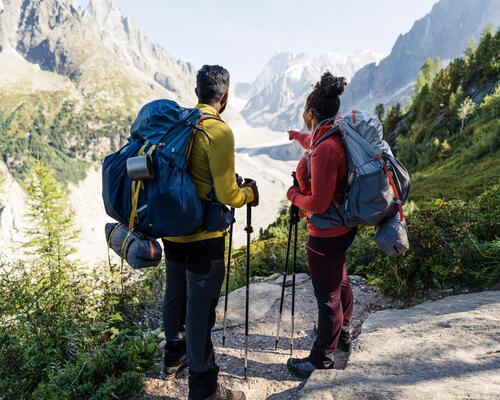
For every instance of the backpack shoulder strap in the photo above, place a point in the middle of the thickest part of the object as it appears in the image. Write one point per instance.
(330, 134)
(206, 116)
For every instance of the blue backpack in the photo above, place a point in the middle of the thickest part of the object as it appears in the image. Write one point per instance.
(166, 204)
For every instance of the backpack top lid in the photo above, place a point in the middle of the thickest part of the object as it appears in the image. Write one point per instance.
(166, 122)
(363, 138)
(158, 117)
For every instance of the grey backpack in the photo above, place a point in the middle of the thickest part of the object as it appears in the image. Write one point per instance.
(378, 184)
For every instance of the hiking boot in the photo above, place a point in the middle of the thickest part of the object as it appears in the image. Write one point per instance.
(344, 341)
(175, 359)
(223, 393)
(302, 367)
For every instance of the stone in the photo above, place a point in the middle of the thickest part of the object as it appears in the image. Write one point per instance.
(273, 277)
(262, 298)
(299, 279)
(356, 280)
(161, 346)
(447, 349)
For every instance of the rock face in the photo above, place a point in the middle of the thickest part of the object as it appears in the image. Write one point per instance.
(445, 349)
(100, 50)
(443, 33)
(277, 96)
(121, 36)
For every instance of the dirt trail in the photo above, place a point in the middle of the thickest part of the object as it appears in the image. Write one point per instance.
(268, 375)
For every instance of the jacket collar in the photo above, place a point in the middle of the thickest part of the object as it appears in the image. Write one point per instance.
(323, 128)
(208, 109)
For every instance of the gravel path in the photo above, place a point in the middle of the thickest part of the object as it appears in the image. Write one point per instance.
(268, 376)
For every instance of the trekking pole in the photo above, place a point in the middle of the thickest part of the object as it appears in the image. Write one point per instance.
(291, 220)
(227, 276)
(282, 299)
(249, 231)
(294, 216)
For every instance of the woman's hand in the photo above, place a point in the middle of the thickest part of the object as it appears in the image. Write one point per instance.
(292, 134)
(292, 192)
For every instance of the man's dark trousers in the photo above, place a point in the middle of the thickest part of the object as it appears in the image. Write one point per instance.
(195, 272)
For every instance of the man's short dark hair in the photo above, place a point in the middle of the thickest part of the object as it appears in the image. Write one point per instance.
(212, 82)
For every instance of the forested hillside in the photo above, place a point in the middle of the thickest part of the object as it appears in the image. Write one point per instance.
(449, 138)
(59, 132)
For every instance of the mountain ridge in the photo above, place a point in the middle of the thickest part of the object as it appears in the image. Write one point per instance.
(442, 33)
(277, 95)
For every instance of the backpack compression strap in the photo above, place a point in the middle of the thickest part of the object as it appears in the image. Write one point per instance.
(394, 189)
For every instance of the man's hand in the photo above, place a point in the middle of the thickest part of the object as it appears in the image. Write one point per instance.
(252, 185)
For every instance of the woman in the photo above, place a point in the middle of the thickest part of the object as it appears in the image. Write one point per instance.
(322, 179)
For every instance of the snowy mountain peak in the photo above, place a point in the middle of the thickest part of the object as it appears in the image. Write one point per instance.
(286, 79)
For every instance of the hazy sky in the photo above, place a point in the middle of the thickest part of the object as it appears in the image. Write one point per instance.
(243, 35)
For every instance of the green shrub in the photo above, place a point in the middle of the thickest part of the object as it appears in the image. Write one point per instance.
(67, 333)
(268, 254)
(486, 212)
(452, 245)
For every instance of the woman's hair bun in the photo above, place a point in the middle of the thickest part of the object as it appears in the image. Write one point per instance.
(331, 86)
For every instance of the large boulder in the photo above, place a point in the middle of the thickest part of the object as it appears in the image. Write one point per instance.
(445, 349)
(262, 298)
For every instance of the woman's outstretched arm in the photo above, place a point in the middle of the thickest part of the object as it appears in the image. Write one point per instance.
(301, 137)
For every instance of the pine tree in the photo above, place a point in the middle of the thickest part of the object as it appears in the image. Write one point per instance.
(428, 71)
(379, 111)
(52, 229)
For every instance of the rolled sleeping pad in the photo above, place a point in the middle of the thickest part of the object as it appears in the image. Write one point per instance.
(139, 251)
(391, 236)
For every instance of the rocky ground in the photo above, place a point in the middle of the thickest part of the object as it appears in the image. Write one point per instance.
(447, 349)
(268, 376)
(444, 348)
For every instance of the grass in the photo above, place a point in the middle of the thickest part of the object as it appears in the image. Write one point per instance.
(454, 178)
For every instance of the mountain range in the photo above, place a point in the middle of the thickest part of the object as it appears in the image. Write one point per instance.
(98, 52)
(71, 80)
(276, 98)
(443, 33)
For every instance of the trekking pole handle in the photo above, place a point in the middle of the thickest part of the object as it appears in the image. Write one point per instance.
(294, 210)
(295, 181)
(249, 228)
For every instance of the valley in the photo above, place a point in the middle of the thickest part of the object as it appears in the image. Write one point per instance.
(74, 74)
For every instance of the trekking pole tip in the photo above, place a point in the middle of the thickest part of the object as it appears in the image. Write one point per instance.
(223, 341)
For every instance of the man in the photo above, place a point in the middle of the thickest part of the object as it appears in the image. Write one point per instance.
(195, 263)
